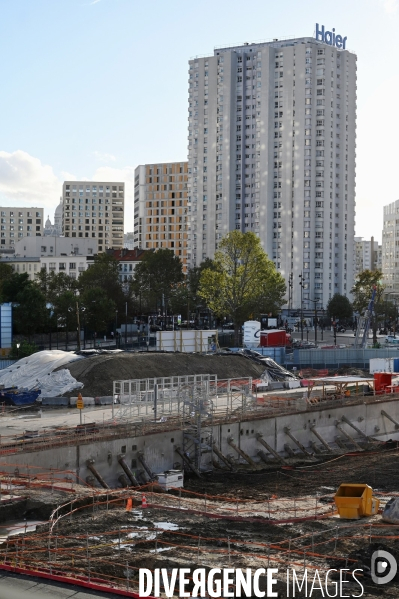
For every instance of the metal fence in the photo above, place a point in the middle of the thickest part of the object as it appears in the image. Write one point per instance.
(336, 358)
(6, 363)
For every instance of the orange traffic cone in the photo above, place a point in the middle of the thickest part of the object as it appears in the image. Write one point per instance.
(144, 502)
(129, 505)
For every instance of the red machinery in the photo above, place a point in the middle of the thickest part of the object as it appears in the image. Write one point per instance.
(274, 338)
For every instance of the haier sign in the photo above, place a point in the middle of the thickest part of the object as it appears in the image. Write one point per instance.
(329, 37)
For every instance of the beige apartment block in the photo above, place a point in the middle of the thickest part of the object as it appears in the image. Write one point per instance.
(16, 223)
(160, 207)
(94, 209)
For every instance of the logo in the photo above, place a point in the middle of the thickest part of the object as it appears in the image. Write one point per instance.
(330, 38)
(383, 567)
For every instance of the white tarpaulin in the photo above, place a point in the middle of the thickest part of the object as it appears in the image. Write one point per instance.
(37, 372)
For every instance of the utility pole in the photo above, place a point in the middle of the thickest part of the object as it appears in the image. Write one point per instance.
(301, 286)
(315, 320)
(126, 326)
(290, 284)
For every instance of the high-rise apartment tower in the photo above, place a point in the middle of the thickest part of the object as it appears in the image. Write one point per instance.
(160, 207)
(272, 138)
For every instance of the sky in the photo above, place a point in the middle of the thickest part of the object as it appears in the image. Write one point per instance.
(92, 88)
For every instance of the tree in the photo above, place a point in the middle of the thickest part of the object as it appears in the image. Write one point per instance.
(185, 298)
(339, 307)
(244, 280)
(25, 349)
(157, 278)
(13, 286)
(97, 309)
(362, 291)
(6, 273)
(30, 312)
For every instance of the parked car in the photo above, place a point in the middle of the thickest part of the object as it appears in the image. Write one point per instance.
(392, 339)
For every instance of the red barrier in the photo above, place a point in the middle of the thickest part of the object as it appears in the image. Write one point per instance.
(70, 581)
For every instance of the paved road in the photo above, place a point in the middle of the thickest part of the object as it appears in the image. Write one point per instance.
(327, 337)
(13, 586)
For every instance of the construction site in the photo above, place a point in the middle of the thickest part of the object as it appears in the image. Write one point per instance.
(227, 462)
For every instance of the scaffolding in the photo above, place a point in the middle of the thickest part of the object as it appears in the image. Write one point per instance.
(155, 397)
(193, 402)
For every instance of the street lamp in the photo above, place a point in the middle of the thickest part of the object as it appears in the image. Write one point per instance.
(126, 326)
(301, 286)
(290, 285)
(116, 326)
(315, 302)
(77, 293)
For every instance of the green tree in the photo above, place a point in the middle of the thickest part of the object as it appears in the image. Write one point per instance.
(185, 298)
(157, 278)
(362, 291)
(6, 273)
(25, 349)
(97, 309)
(30, 312)
(339, 307)
(244, 280)
(104, 274)
(13, 285)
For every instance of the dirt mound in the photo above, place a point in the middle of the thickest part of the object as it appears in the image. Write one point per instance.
(97, 373)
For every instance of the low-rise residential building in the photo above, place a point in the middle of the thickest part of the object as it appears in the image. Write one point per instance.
(128, 260)
(70, 265)
(22, 264)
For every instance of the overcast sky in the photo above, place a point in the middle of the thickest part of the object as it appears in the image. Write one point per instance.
(90, 89)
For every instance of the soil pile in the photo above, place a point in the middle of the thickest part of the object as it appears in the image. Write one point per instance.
(97, 373)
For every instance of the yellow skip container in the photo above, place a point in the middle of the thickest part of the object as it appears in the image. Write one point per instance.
(355, 500)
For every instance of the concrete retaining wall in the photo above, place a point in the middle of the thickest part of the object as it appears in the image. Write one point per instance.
(160, 455)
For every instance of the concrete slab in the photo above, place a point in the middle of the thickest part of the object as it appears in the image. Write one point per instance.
(13, 586)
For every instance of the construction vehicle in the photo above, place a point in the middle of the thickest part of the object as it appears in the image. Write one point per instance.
(363, 323)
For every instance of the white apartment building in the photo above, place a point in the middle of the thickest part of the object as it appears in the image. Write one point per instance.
(56, 246)
(272, 138)
(23, 264)
(368, 255)
(96, 210)
(70, 265)
(16, 223)
(390, 247)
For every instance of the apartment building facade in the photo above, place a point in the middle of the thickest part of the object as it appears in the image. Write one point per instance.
(55, 246)
(390, 247)
(272, 138)
(16, 223)
(96, 210)
(160, 207)
(368, 255)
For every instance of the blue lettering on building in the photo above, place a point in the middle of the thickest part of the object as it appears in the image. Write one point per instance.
(329, 37)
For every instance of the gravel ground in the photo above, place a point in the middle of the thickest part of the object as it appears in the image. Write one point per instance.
(116, 540)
